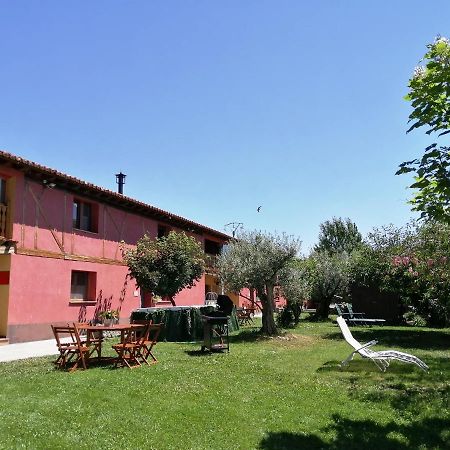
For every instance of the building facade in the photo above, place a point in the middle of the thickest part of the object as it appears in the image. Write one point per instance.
(60, 250)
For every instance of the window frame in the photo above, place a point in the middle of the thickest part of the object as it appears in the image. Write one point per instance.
(89, 286)
(83, 210)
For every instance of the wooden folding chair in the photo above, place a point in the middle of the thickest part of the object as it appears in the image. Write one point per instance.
(139, 332)
(69, 346)
(93, 340)
(244, 316)
(150, 341)
(129, 351)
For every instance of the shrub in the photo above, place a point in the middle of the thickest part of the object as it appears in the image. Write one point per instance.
(411, 262)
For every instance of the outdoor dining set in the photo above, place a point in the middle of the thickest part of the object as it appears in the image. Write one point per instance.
(80, 344)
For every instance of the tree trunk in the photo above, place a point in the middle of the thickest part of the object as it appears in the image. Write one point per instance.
(323, 308)
(170, 297)
(252, 297)
(268, 320)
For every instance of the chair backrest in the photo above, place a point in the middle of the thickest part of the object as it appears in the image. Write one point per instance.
(350, 310)
(139, 333)
(339, 309)
(66, 335)
(81, 327)
(140, 336)
(63, 335)
(347, 333)
(76, 333)
(153, 332)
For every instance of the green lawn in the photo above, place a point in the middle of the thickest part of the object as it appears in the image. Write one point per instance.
(265, 394)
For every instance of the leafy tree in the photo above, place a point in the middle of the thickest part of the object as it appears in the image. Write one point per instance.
(337, 236)
(412, 263)
(430, 89)
(372, 266)
(429, 93)
(328, 275)
(295, 288)
(166, 265)
(256, 260)
(432, 181)
(430, 272)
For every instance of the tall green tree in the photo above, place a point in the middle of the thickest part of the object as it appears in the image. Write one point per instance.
(166, 265)
(429, 94)
(256, 260)
(295, 288)
(337, 236)
(328, 277)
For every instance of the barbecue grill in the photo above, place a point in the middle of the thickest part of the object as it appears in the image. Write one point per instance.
(215, 333)
(215, 326)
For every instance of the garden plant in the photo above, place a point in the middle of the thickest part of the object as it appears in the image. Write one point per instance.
(166, 265)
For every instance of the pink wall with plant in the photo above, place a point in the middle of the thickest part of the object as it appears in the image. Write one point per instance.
(49, 249)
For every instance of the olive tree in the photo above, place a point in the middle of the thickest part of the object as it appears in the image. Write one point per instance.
(329, 276)
(295, 288)
(255, 260)
(164, 266)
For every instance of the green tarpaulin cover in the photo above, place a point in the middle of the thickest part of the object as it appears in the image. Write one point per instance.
(181, 323)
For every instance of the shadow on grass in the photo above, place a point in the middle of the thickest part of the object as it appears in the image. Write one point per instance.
(313, 318)
(292, 441)
(406, 399)
(405, 387)
(247, 335)
(439, 369)
(204, 353)
(363, 366)
(406, 338)
(356, 434)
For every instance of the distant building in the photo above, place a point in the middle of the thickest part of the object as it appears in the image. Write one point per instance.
(60, 256)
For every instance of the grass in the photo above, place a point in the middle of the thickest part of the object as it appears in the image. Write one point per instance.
(265, 394)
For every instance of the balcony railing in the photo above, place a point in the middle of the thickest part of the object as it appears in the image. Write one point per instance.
(3, 213)
(211, 262)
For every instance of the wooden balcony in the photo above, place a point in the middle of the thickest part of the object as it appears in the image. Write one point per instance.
(211, 263)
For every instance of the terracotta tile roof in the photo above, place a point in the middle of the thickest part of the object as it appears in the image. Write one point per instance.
(80, 187)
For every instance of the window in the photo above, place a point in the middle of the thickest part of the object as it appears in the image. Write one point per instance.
(212, 248)
(85, 216)
(163, 231)
(83, 285)
(2, 190)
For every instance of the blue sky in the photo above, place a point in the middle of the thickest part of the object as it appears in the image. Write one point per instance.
(215, 108)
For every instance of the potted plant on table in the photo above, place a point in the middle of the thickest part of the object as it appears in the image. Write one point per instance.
(109, 316)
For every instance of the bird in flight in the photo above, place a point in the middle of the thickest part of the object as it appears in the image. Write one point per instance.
(259, 208)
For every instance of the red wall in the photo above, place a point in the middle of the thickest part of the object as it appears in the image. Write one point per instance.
(40, 285)
(40, 290)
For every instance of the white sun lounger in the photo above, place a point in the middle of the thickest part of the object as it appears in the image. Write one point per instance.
(382, 358)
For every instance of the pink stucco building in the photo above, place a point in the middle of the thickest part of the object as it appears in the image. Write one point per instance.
(60, 256)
